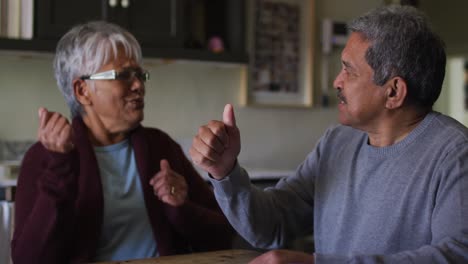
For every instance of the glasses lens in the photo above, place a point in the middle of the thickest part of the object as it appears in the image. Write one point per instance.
(130, 74)
(142, 75)
(126, 75)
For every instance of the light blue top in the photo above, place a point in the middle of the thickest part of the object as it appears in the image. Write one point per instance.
(405, 203)
(126, 230)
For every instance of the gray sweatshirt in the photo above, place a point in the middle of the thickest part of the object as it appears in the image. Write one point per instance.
(405, 203)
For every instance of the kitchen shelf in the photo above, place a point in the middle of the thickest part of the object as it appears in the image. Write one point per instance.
(48, 46)
(27, 45)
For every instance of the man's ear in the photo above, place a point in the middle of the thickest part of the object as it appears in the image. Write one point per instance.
(396, 91)
(81, 90)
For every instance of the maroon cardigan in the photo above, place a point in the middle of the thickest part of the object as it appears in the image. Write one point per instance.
(59, 202)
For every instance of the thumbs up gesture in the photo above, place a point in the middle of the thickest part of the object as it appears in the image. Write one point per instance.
(216, 146)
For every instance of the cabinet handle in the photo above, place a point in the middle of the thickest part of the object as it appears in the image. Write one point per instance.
(125, 3)
(112, 3)
(173, 17)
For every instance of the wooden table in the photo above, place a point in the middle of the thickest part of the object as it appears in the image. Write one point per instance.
(234, 256)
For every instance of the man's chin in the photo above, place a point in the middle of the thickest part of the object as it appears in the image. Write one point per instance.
(343, 120)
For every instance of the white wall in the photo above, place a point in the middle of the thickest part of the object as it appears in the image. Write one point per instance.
(452, 98)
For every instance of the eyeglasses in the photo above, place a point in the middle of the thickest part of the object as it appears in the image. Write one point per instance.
(127, 75)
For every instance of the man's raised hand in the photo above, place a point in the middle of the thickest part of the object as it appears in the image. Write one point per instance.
(216, 146)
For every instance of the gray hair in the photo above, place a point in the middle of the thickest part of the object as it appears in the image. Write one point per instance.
(403, 44)
(84, 50)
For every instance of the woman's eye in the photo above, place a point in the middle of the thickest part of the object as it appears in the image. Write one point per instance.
(125, 75)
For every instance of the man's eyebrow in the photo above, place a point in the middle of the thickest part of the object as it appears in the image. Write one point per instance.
(347, 65)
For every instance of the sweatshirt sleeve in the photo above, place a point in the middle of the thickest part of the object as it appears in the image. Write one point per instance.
(270, 218)
(43, 207)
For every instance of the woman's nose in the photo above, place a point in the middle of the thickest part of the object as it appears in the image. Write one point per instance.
(136, 84)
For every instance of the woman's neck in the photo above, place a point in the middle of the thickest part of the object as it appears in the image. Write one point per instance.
(99, 134)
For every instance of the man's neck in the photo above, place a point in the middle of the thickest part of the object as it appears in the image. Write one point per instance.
(396, 127)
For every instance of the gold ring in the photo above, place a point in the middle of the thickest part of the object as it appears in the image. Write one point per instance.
(172, 190)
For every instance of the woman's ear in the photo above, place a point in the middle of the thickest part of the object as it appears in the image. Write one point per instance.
(396, 92)
(81, 90)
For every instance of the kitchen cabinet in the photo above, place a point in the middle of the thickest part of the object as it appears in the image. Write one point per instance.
(153, 23)
(164, 28)
(54, 18)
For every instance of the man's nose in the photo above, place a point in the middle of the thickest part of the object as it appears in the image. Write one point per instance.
(338, 83)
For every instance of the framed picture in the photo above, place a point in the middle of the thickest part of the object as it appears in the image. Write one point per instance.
(465, 79)
(281, 50)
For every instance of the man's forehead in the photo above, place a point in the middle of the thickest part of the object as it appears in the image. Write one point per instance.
(355, 49)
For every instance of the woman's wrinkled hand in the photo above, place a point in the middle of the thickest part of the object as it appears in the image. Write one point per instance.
(54, 132)
(169, 186)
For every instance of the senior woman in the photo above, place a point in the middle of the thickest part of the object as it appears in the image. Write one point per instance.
(104, 187)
